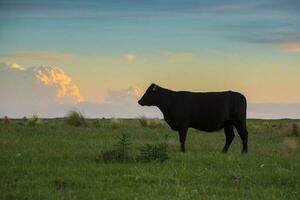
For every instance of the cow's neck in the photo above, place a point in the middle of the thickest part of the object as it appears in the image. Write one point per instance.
(165, 103)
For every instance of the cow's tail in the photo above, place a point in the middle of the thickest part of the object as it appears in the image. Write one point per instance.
(240, 108)
(243, 102)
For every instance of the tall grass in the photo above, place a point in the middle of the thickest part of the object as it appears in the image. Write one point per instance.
(291, 130)
(151, 123)
(144, 121)
(116, 123)
(34, 120)
(75, 118)
(6, 120)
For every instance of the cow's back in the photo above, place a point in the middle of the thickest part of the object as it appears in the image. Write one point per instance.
(206, 111)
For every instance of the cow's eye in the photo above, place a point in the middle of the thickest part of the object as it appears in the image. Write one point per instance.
(154, 88)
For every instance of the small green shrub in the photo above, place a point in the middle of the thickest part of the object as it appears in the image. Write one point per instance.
(75, 118)
(115, 123)
(119, 152)
(122, 147)
(34, 120)
(158, 152)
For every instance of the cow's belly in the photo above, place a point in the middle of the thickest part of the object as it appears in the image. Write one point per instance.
(208, 127)
(208, 123)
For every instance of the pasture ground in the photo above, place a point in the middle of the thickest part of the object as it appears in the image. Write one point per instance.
(53, 160)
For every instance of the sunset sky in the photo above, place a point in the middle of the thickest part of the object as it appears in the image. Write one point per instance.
(99, 56)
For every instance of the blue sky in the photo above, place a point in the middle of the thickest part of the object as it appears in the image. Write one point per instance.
(146, 25)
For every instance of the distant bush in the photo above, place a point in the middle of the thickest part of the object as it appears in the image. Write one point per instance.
(157, 152)
(151, 123)
(266, 124)
(291, 130)
(75, 118)
(115, 123)
(25, 119)
(119, 152)
(97, 123)
(6, 120)
(34, 120)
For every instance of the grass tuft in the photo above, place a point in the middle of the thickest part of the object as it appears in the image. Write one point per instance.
(151, 123)
(75, 118)
(6, 120)
(291, 130)
(288, 145)
(144, 121)
(34, 120)
(115, 123)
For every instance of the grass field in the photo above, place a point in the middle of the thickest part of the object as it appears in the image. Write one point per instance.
(54, 160)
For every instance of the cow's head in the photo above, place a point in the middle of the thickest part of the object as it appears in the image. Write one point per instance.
(151, 96)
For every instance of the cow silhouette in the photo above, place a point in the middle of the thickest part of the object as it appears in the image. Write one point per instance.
(205, 111)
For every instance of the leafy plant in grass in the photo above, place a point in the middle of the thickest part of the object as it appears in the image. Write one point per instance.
(156, 152)
(119, 152)
(34, 120)
(75, 118)
(115, 123)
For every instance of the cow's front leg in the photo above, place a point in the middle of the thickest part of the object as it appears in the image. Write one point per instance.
(182, 137)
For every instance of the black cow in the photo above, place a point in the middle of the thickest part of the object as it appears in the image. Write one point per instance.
(207, 111)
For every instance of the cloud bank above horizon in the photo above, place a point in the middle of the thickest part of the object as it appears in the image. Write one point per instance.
(50, 92)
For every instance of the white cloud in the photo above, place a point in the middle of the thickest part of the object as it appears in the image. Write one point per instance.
(11, 66)
(53, 76)
(50, 92)
(124, 96)
(292, 46)
(130, 57)
(24, 92)
(273, 110)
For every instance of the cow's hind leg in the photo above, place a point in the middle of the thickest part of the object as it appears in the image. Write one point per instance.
(229, 133)
(182, 137)
(242, 130)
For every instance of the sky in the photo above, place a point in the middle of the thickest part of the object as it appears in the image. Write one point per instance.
(100, 56)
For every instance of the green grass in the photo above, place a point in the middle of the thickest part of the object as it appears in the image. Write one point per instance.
(76, 118)
(57, 161)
